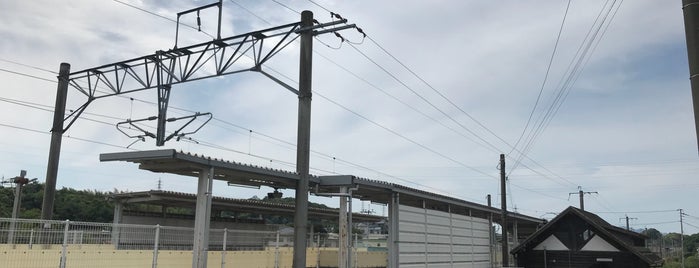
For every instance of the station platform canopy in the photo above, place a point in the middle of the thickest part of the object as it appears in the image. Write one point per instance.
(187, 200)
(187, 164)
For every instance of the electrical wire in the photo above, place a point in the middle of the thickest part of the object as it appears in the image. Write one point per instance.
(287, 7)
(231, 150)
(639, 212)
(65, 136)
(696, 227)
(543, 84)
(451, 118)
(27, 75)
(250, 11)
(574, 70)
(163, 17)
(654, 223)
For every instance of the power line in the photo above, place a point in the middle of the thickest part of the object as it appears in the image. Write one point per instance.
(654, 223)
(66, 136)
(583, 54)
(543, 84)
(163, 17)
(27, 75)
(313, 2)
(423, 98)
(239, 126)
(221, 147)
(250, 12)
(640, 212)
(492, 147)
(28, 66)
(697, 227)
(285, 6)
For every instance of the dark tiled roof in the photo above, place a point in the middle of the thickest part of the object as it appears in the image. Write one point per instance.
(603, 226)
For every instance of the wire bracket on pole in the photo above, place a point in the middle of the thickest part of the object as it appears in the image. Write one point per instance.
(178, 134)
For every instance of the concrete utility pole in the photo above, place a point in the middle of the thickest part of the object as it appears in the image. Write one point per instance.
(19, 182)
(627, 221)
(490, 230)
(682, 236)
(56, 138)
(691, 28)
(503, 201)
(343, 233)
(581, 195)
(304, 140)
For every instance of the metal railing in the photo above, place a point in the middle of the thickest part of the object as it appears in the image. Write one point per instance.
(42, 243)
(67, 244)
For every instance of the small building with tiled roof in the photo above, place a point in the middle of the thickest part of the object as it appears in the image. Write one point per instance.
(576, 238)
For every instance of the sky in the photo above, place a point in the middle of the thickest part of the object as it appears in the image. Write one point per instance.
(429, 99)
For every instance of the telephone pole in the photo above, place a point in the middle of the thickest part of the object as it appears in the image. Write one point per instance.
(682, 236)
(627, 221)
(503, 201)
(581, 195)
(19, 182)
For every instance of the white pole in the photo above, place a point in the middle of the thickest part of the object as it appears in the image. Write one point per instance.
(64, 247)
(223, 252)
(154, 264)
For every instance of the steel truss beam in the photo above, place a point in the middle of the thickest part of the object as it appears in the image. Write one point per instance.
(163, 69)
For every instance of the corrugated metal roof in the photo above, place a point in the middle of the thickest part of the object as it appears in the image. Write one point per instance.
(187, 164)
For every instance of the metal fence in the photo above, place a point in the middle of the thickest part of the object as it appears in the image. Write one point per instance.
(41, 243)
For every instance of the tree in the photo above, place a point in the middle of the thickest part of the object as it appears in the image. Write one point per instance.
(652, 233)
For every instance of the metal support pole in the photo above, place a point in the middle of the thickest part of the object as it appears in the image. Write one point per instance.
(342, 256)
(118, 209)
(393, 231)
(503, 200)
(31, 239)
(304, 140)
(318, 252)
(451, 237)
(202, 218)
(491, 238)
(223, 249)
(515, 234)
(220, 10)
(691, 28)
(349, 229)
(163, 101)
(56, 138)
(473, 250)
(64, 246)
(276, 252)
(356, 240)
(426, 238)
(156, 244)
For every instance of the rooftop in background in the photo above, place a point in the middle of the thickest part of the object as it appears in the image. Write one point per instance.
(178, 199)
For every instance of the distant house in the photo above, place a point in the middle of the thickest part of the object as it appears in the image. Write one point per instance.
(576, 238)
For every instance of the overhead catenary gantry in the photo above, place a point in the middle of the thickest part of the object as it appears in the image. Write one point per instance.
(165, 68)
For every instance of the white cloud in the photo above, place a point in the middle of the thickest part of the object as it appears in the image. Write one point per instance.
(488, 57)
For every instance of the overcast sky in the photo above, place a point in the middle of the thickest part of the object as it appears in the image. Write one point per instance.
(622, 125)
